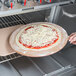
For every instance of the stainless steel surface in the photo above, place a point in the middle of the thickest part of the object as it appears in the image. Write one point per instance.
(25, 67)
(69, 24)
(60, 64)
(68, 14)
(9, 57)
(52, 13)
(18, 8)
(38, 66)
(69, 71)
(6, 69)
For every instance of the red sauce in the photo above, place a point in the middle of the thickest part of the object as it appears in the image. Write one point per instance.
(38, 47)
(45, 26)
(29, 28)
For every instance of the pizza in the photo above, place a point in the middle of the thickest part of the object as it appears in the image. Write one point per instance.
(38, 39)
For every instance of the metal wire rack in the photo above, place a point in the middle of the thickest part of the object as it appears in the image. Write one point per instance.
(9, 57)
(21, 19)
(17, 20)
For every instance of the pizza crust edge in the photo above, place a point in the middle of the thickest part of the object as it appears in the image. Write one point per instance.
(37, 53)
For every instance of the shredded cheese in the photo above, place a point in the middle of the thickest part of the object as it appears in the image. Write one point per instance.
(38, 36)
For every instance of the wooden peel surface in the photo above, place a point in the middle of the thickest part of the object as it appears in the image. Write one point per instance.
(5, 33)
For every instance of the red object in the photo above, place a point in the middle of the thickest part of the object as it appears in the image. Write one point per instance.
(37, 47)
(40, 1)
(28, 28)
(50, 0)
(24, 2)
(11, 4)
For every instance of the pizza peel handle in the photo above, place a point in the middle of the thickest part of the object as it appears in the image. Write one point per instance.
(42, 52)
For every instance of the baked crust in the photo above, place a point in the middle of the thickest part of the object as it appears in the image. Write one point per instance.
(43, 52)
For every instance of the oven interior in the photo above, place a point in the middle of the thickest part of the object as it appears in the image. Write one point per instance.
(62, 63)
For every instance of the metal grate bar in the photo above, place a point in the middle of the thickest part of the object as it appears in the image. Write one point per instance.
(37, 66)
(10, 21)
(16, 17)
(2, 23)
(9, 57)
(57, 62)
(23, 20)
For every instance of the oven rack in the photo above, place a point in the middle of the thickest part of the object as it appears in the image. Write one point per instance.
(11, 21)
(9, 57)
(17, 20)
(20, 19)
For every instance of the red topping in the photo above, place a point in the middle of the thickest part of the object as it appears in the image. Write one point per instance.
(38, 47)
(45, 26)
(28, 28)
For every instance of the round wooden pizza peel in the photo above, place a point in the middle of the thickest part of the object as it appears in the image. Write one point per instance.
(37, 53)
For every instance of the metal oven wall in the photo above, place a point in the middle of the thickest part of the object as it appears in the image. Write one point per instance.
(60, 64)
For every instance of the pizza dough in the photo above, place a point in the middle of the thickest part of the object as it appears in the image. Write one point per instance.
(38, 39)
